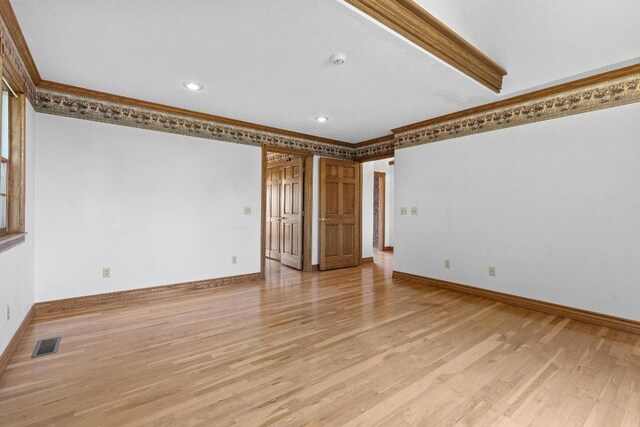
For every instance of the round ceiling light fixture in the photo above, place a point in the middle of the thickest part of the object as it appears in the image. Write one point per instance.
(322, 119)
(338, 58)
(192, 86)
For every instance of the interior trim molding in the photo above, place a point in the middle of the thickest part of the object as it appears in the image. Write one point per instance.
(536, 95)
(15, 340)
(8, 241)
(48, 310)
(579, 97)
(613, 322)
(11, 21)
(16, 52)
(412, 22)
(133, 102)
(367, 260)
(606, 90)
(373, 141)
(180, 122)
(385, 153)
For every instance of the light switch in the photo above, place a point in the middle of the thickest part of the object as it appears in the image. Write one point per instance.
(447, 263)
(403, 211)
(492, 271)
(247, 211)
(414, 211)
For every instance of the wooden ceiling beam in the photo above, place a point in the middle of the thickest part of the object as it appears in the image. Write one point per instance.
(412, 22)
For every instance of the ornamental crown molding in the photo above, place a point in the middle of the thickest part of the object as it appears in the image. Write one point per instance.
(86, 108)
(608, 94)
(605, 94)
(11, 53)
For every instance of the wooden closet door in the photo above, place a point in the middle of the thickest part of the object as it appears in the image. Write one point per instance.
(291, 213)
(272, 229)
(339, 214)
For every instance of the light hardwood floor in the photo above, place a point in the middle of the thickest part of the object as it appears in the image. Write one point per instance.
(348, 347)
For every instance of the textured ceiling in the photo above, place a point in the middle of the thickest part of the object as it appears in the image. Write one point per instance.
(265, 62)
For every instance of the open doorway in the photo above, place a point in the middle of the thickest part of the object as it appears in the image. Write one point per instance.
(287, 203)
(378, 208)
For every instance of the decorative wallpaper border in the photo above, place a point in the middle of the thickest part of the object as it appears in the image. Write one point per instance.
(621, 91)
(12, 54)
(79, 107)
(609, 94)
(278, 157)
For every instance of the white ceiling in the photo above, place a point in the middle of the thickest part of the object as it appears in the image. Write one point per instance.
(267, 62)
(541, 42)
(261, 61)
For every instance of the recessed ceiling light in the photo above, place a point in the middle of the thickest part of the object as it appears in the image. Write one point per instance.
(321, 119)
(193, 86)
(338, 58)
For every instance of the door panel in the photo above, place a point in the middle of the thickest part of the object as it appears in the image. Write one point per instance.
(348, 237)
(339, 214)
(291, 209)
(273, 205)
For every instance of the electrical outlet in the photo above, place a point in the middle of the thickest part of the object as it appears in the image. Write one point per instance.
(414, 211)
(234, 259)
(106, 273)
(403, 211)
(447, 263)
(8, 312)
(492, 271)
(247, 211)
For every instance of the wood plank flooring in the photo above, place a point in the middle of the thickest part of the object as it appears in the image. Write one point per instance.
(349, 347)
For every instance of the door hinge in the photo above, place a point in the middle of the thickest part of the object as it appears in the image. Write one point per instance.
(302, 212)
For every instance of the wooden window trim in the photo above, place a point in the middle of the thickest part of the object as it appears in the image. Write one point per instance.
(14, 233)
(8, 241)
(3, 160)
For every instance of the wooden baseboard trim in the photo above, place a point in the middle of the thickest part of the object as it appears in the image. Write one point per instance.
(387, 249)
(599, 319)
(13, 344)
(48, 310)
(367, 260)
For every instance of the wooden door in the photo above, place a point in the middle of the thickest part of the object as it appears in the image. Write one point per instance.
(273, 206)
(339, 214)
(291, 213)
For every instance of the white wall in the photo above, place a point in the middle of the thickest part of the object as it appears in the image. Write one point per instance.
(17, 263)
(157, 208)
(554, 206)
